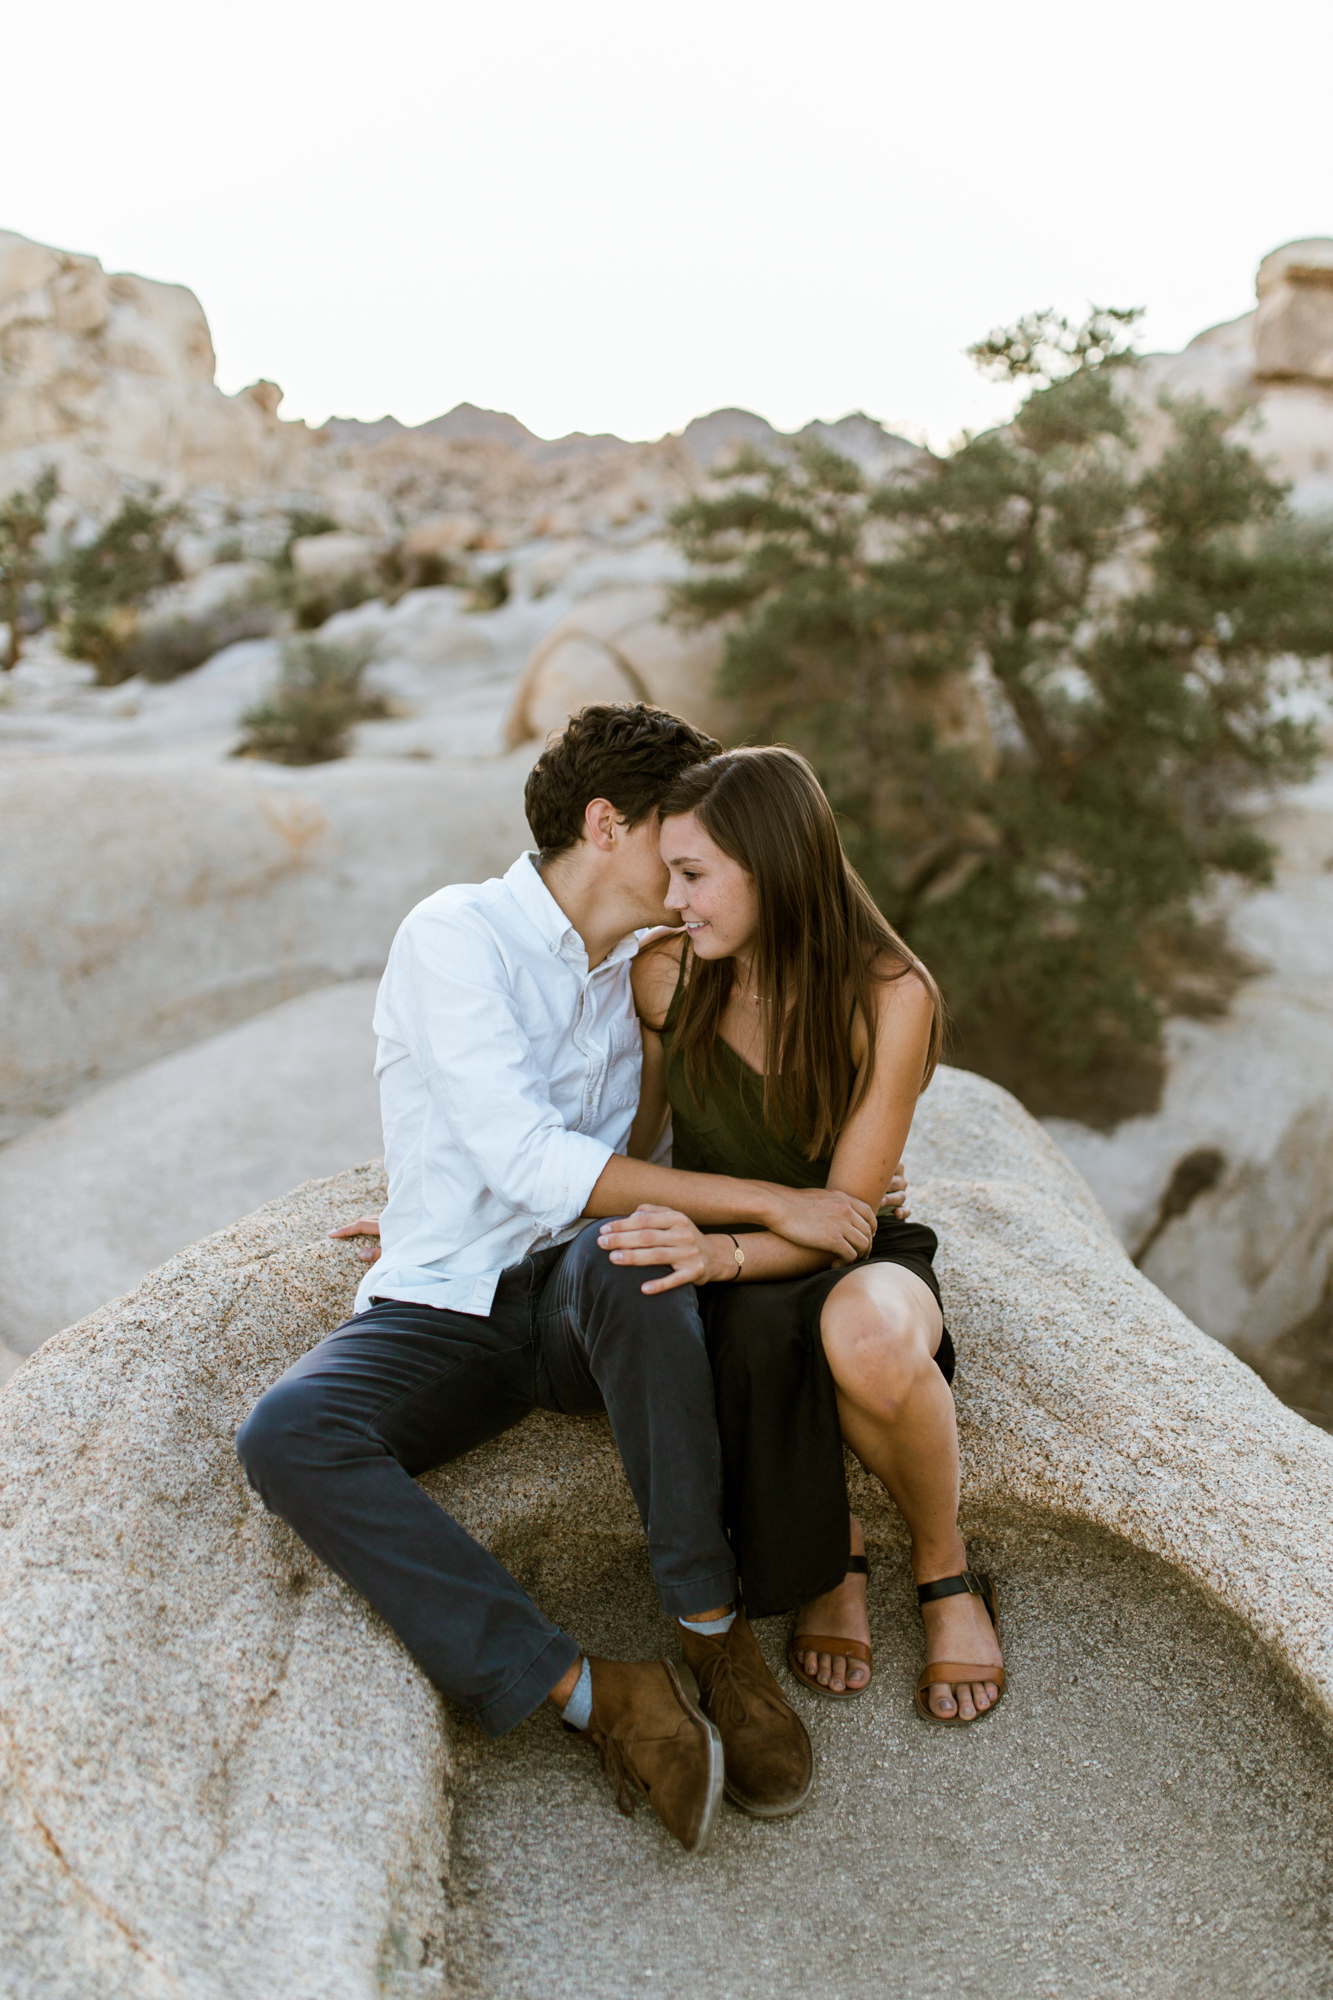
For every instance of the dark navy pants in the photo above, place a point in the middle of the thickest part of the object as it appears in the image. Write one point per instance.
(336, 1445)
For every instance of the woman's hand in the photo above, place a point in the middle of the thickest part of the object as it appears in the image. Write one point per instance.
(365, 1225)
(841, 1225)
(653, 1235)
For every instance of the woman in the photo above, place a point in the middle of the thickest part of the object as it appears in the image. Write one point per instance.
(789, 1033)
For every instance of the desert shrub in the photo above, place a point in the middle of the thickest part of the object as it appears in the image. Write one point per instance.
(23, 519)
(162, 649)
(398, 571)
(302, 521)
(490, 590)
(1117, 629)
(132, 556)
(102, 585)
(314, 600)
(318, 698)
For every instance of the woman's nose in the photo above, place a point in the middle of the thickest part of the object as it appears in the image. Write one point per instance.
(676, 899)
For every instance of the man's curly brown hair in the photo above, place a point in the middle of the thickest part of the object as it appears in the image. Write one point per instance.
(627, 752)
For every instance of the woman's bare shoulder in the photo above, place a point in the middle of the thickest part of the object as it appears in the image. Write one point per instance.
(902, 988)
(654, 974)
(904, 1004)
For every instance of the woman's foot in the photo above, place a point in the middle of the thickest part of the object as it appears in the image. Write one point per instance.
(841, 1612)
(958, 1628)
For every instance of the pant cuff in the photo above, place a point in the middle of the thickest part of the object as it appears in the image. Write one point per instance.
(531, 1688)
(687, 1600)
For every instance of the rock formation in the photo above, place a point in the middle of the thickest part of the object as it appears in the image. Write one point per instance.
(108, 376)
(1245, 1243)
(617, 645)
(137, 928)
(180, 1147)
(224, 1780)
(1274, 366)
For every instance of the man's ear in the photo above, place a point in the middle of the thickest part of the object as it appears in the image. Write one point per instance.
(602, 824)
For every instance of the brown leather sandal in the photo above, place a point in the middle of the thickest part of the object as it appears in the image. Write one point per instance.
(936, 1671)
(823, 1642)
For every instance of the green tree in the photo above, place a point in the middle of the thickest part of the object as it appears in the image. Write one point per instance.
(1037, 677)
(23, 520)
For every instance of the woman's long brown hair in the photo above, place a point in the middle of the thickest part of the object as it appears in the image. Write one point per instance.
(823, 946)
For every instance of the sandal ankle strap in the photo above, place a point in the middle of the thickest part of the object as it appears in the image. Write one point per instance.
(967, 1581)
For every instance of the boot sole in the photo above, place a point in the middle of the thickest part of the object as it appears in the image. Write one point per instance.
(688, 1689)
(783, 1811)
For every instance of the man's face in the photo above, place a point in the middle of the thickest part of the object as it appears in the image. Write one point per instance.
(640, 874)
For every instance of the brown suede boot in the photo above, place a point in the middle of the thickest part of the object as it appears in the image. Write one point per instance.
(770, 1765)
(652, 1739)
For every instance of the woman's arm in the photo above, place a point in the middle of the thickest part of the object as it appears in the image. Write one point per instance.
(651, 1117)
(653, 976)
(864, 1164)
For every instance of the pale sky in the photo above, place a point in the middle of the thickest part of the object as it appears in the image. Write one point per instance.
(616, 217)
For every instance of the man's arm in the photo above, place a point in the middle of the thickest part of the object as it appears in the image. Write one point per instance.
(460, 1022)
(824, 1219)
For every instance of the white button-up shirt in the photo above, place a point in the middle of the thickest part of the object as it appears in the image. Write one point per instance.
(509, 1075)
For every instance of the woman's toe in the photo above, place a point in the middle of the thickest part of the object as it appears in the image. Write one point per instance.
(966, 1706)
(941, 1699)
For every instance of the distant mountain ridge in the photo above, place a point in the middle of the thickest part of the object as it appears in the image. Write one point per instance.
(708, 438)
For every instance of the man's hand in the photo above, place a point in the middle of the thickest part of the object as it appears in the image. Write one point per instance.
(841, 1225)
(653, 1235)
(365, 1225)
(896, 1194)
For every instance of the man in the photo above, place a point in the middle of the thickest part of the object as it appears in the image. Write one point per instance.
(509, 1056)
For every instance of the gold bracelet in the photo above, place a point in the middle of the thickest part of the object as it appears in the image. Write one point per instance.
(740, 1255)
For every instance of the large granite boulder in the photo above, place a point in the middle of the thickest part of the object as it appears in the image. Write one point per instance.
(224, 1779)
(619, 645)
(1225, 1192)
(151, 901)
(108, 1189)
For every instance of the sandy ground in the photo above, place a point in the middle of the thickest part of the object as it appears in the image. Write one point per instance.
(1150, 1813)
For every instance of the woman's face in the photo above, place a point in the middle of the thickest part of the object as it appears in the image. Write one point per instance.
(713, 895)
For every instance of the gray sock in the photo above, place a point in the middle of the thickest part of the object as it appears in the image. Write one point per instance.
(577, 1711)
(712, 1628)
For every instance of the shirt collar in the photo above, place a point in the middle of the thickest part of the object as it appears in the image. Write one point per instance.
(539, 906)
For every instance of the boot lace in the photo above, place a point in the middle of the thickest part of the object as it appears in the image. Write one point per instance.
(720, 1697)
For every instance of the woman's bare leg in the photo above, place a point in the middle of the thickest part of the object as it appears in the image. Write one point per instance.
(881, 1326)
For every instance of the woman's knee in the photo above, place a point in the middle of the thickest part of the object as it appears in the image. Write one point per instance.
(878, 1348)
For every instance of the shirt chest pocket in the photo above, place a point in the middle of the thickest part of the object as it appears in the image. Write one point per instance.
(625, 1064)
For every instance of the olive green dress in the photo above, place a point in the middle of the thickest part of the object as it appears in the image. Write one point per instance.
(785, 1491)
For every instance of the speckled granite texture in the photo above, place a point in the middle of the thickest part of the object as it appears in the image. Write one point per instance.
(223, 1779)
